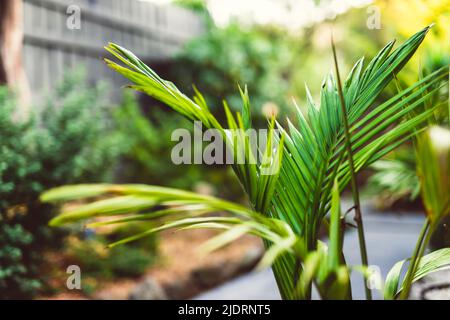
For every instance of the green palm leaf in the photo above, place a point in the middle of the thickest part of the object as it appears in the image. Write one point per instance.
(183, 210)
(432, 262)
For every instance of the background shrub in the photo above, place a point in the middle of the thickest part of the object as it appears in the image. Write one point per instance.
(69, 139)
(146, 158)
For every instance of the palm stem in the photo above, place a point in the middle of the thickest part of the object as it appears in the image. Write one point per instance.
(355, 192)
(421, 244)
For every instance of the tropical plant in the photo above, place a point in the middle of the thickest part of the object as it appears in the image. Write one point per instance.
(318, 158)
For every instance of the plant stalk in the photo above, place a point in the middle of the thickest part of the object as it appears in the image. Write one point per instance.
(422, 242)
(355, 192)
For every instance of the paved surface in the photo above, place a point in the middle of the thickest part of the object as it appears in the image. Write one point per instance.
(390, 237)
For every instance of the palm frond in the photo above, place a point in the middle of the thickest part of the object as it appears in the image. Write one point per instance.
(432, 262)
(182, 210)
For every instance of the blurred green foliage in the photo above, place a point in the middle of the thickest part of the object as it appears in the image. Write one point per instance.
(100, 263)
(68, 139)
(198, 6)
(436, 51)
(18, 278)
(275, 63)
(76, 132)
(148, 145)
(395, 179)
(146, 157)
(222, 58)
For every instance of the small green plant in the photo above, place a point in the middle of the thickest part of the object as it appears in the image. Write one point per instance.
(319, 157)
(102, 264)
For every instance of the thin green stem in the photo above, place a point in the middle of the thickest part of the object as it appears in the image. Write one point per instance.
(422, 242)
(355, 192)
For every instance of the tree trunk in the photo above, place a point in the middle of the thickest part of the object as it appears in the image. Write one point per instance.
(12, 72)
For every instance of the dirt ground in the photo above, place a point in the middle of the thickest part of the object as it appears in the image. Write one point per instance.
(178, 258)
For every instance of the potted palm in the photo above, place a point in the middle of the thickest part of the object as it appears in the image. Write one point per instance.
(319, 157)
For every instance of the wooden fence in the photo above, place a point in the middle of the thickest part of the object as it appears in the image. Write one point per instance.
(60, 35)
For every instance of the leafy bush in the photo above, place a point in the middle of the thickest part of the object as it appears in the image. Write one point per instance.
(98, 262)
(148, 145)
(18, 263)
(67, 140)
(77, 139)
(15, 272)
